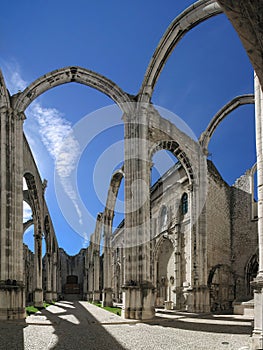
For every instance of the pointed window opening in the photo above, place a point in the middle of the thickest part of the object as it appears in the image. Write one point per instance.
(184, 203)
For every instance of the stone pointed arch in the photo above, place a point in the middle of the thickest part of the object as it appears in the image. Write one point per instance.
(221, 115)
(191, 17)
(4, 94)
(66, 75)
(113, 191)
(159, 244)
(27, 224)
(165, 135)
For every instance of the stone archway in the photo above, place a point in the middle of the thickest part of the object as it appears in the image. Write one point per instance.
(187, 20)
(221, 115)
(66, 75)
(165, 273)
(221, 285)
(36, 206)
(251, 274)
(108, 216)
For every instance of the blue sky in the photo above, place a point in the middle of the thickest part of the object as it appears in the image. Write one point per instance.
(117, 39)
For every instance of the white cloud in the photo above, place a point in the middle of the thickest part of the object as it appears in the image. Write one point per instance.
(85, 240)
(57, 136)
(13, 77)
(27, 212)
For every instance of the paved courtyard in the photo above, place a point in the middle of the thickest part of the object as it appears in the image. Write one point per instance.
(80, 325)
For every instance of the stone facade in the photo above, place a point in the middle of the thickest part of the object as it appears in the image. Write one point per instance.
(228, 214)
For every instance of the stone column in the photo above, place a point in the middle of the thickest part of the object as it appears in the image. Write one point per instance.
(107, 263)
(96, 259)
(38, 290)
(90, 276)
(138, 289)
(48, 294)
(55, 277)
(12, 294)
(96, 285)
(257, 337)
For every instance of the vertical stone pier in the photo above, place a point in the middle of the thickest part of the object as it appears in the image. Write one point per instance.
(12, 295)
(138, 290)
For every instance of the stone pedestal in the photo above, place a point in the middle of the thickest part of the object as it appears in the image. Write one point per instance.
(12, 301)
(257, 335)
(107, 297)
(168, 305)
(38, 297)
(96, 296)
(48, 296)
(138, 302)
(54, 296)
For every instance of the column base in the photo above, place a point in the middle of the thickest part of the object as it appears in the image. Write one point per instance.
(138, 302)
(54, 296)
(38, 297)
(48, 297)
(257, 335)
(96, 296)
(107, 297)
(12, 302)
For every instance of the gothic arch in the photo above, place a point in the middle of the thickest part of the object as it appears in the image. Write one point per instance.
(175, 149)
(33, 200)
(191, 17)
(27, 224)
(221, 285)
(113, 191)
(251, 271)
(221, 115)
(160, 243)
(70, 74)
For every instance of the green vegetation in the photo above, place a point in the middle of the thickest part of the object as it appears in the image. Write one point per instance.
(115, 310)
(33, 309)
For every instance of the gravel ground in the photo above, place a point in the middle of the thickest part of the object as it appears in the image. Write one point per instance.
(81, 326)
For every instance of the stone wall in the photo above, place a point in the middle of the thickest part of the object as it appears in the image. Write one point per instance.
(218, 220)
(244, 233)
(28, 273)
(72, 266)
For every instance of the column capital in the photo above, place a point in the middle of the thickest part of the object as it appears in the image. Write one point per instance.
(17, 114)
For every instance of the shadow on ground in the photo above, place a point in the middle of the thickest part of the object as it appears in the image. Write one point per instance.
(76, 328)
(205, 323)
(70, 326)
(11, 335)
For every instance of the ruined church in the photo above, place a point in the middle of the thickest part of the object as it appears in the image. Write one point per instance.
(189, 242)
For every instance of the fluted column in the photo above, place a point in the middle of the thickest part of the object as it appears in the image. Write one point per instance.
(12, 295)
(38, 288)
(138, 290)
(54, 277)
(48, 293)
(107, 263)
(257, 338)
(96, 258)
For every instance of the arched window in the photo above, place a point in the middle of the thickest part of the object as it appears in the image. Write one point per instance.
(184, 203)
(163, 217)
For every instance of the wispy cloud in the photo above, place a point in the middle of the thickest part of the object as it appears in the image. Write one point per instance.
(53, 130)
(57, 136)
(13, 77)
(85, 240)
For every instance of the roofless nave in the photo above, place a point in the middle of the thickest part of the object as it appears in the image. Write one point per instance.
(166, 249)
